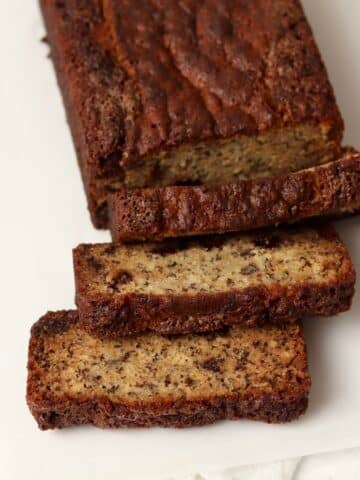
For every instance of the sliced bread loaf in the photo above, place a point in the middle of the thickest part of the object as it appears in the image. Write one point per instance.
(200, 284)
(157, 213)
(148, 380)
(166, 93)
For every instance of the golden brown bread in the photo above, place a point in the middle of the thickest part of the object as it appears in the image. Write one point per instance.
(193, 91)
(200, 284)
(148, 380)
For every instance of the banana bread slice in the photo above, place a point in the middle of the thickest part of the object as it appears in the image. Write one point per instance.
(154, 214)
(149, 379)
(200, 284)
(192, 91)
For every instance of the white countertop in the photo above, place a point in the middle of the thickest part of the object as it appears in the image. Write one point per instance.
(43, 216)
(343, 465)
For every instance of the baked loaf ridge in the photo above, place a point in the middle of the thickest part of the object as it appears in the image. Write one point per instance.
(153, 214)
(148, 380)
(193, 91)
(201, 284)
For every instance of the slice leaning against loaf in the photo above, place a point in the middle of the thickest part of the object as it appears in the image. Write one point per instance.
(200, 284)
(148, 379)
(157, 213)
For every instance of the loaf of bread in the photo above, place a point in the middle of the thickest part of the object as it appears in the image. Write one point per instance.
(154, 214)
(190, 92)
(200, 284)
(147, 380)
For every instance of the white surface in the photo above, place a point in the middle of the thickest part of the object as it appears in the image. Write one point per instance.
(44, 215)
(331, 466)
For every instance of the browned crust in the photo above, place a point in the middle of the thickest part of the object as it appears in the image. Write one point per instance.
(105, 414)
(87, 74)
(279, 80)
(107, 315)
(65, 411)
(158, 213)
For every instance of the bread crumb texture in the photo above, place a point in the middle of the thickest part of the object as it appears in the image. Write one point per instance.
(212, 264)
(64, 361)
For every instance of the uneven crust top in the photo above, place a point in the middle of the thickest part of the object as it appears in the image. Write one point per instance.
(65, 361)
(154, 74)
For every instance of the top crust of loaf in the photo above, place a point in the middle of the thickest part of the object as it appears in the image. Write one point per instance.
(168, 73)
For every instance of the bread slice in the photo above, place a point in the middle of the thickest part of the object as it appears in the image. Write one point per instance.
(196, 91)
(154, 214)
(199, 284)
(148, 379)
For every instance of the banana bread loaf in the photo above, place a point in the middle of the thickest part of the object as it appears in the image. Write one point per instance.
(147, 380)
(200, 284)
(195, 92)
(153, 214)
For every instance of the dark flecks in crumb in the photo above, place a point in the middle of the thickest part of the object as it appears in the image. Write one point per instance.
(249, 269)
(94, 264)
(110, 250)
(113, 389)
(267, 241)
(213, 364)
(242, 360)
(126, 357)
(189, 381)
(247, 253)
(121, 277)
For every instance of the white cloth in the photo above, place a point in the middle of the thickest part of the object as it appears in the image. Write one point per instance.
(332, 466)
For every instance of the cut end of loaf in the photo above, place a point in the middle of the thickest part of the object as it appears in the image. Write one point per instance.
(214, 162)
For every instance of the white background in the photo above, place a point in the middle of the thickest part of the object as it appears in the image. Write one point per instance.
(43, 216)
